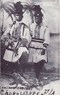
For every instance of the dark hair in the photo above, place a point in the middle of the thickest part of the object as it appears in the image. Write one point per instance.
(18, 8)
(38, 13)
(37, 10)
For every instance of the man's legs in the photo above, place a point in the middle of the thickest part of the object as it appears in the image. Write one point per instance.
(23, 61)
(38, 68)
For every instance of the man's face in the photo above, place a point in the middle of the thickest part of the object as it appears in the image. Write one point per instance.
(37, 19)
(18, 17)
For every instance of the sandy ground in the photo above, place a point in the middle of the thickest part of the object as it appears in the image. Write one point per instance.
(29, 75)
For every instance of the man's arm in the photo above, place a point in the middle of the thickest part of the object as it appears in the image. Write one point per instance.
(46, 40)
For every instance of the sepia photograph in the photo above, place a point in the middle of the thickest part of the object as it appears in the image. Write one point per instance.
(29, 47)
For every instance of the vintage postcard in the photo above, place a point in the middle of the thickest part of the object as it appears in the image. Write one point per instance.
(30, 47)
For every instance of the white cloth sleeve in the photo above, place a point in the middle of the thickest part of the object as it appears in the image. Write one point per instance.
(46, 38)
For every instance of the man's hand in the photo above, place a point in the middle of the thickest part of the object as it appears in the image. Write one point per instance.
(24, 41)
(6, 43)
(16, 51)
(43, 52)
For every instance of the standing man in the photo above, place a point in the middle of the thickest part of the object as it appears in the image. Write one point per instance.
(16, 40)
(39, 43)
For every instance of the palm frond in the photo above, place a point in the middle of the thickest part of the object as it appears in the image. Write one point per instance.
(8, 7)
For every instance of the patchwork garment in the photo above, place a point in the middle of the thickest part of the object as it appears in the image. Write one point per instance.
(16, 37)
(40, 41)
